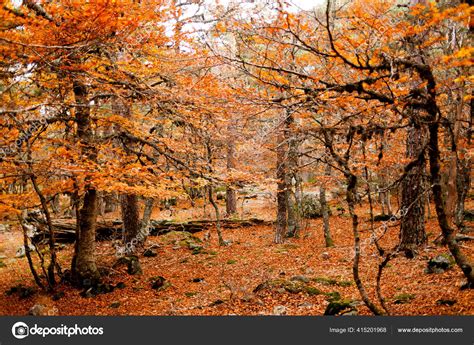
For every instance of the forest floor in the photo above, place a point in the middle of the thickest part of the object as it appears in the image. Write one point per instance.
(224, 280)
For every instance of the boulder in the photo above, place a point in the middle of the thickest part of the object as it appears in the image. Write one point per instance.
(279, 310)
(37, 310)
(149, 253)
(340, 307)
(21, 252)
(300, 279)
(438, 264)
(310, 206)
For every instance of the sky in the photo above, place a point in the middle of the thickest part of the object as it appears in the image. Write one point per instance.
(307, 4)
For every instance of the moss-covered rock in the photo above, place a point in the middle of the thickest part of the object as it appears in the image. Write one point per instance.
(184, 239)
(340, 307)
(291, 286)
(332, 282)
(333, 296)
(403, 298)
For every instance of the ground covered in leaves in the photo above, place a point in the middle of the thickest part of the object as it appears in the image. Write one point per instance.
(250, 276)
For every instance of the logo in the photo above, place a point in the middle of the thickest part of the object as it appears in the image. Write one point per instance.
(20, 330)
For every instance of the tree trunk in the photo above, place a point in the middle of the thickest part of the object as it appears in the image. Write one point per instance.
(110, 202)
(282, 193)
(325, 212)
(448, 232)
(231, 196)
(84, 269)
(218, 217)
(412, 227)
(131, 223)
(292, 178)
(463, 182)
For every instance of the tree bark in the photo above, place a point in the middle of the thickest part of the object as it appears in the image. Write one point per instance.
(231, 195)
(131, 222)
(448, 233)
(412, 227)
(292, 178)
(84, 269)
(282, 192)
(325, 212)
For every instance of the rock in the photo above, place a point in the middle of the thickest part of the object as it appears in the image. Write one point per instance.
(325, 256)
(120, 285)
(310, 206)
(438, 264)
(248, 297)
(20, 252)
(306, 305)
(333, 296)
(312, 291)
(115, 305)
(134, 268)
(300, 279)
(382, 218)
(350, 313)
(279, 310)
(87, 293)
(337, 307)
(149, 253)
(357, 303)
(221, 195)
(216, 302)
(228, 242)
(104, 288)
(448, 302)
(37, 310)
(403, 298)
(97, 289)
(133, 265)
(4, 227)
(57, 296)
(21, 291)
(159, 283)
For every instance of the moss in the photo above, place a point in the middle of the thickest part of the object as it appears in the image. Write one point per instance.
(183, 238)
(333, 296)
(449, 257)
(190, 294)
(332, 282)
(231, 262)
(337, 306)
(290, 246)
(312, 291)
(325, 281)
(403, 298)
